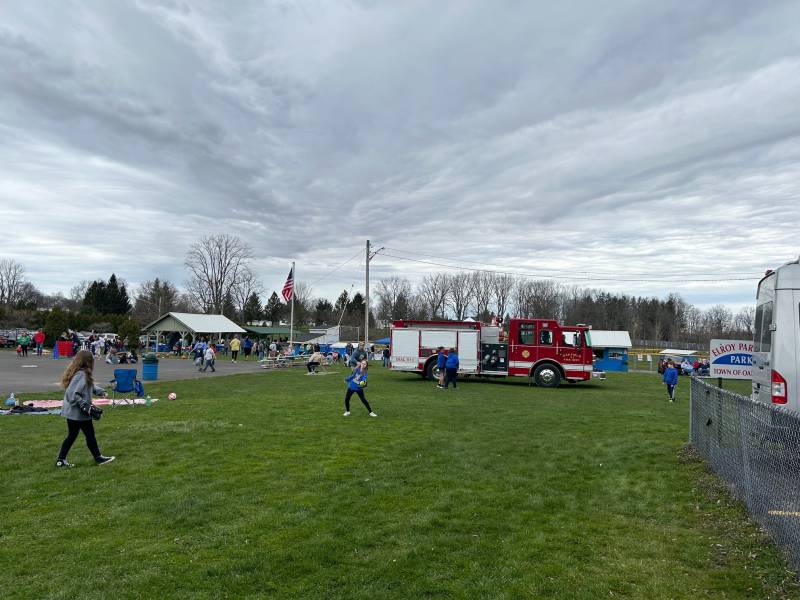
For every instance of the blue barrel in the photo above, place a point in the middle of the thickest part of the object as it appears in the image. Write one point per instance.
(149, 371)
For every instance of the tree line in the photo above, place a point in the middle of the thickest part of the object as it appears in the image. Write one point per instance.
(484, 295)
(221, 280)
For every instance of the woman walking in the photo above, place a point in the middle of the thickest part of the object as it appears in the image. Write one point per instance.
(356, 382)
(77, 407)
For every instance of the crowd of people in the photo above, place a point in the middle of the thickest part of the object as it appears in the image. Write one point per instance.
(700, 366)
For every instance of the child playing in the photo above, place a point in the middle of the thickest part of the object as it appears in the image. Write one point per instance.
(356, 382)
(670, 379)
(209, 358)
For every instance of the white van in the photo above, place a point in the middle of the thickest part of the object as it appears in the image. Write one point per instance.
(776, 343)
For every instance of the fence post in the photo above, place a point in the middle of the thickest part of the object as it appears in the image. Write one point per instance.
(691, 413)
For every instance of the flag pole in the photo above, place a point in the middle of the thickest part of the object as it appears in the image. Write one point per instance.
(291, 314)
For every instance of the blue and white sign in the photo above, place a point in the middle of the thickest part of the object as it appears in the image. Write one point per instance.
(731, 359)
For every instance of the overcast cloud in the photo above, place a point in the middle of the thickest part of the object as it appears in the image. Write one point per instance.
(595, 142)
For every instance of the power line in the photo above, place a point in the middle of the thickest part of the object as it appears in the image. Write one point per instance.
(681, 276)
(332, 271)
(565, 277)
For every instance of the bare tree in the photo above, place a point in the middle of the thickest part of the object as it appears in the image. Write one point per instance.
(718, 320)
(216, 266)
(482, 286)
(433, 291)
(693, 324)
(460, 292)
(394, 298)
(304, 302)
(154, 298)
(743, 321)
(540, 298)
(12, 280)
(248, 284)
(502, 287)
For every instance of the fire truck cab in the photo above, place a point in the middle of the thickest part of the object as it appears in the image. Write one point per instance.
(540, 349)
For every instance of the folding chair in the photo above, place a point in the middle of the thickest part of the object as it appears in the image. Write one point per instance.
(124, 382)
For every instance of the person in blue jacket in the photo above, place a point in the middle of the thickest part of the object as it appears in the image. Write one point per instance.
(670, 378)
(441, 358)
(451, 368)
(356, 382)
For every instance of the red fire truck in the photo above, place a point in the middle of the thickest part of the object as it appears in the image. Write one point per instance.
(541, 349)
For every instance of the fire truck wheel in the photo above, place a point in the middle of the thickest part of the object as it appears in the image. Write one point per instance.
(431, 371)
(547, 376)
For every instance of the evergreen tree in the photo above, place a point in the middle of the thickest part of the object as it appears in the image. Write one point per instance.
(55, 324)
(106, 298)
(342, 302)
(117, 301)
(274, 309)
(355, 311)
(129, 329)
(95, 299)
(252, 309)
(323, 312)
(228, 306)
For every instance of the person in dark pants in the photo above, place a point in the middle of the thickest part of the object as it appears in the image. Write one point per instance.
(386, 356)
(670, 379)
(356, 382)
(24, 341)
(79, 385)
(441, 359)
(210, 358)
(451, 368)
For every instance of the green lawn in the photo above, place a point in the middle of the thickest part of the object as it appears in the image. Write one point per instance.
(255, 485)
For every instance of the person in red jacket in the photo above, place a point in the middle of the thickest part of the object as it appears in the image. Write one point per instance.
(38, 339)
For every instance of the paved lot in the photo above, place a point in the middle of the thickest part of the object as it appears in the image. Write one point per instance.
(42, 374)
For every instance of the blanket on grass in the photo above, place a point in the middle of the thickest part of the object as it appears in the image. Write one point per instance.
(53, 407)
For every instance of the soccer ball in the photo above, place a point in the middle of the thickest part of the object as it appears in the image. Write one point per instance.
(172, 396)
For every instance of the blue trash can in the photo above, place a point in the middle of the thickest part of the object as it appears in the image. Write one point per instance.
(149, 367)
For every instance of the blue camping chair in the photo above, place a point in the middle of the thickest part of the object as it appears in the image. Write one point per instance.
(125, 382)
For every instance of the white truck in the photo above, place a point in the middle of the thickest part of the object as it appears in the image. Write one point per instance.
(776, 338)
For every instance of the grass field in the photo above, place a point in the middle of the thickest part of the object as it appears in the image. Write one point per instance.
(255, 485)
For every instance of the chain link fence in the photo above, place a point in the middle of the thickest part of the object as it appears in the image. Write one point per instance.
(756, 448)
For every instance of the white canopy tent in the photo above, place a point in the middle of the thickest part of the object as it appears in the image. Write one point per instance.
(671, 352)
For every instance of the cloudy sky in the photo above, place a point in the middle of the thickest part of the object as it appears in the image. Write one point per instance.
(633, 146)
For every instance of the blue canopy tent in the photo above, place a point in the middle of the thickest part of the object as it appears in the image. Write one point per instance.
(385, 340)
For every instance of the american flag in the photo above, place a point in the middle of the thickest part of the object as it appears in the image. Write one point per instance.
(288, 287)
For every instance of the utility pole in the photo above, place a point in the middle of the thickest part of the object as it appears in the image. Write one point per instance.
(369, 257)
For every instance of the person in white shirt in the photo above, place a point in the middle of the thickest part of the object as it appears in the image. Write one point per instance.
(210, 356)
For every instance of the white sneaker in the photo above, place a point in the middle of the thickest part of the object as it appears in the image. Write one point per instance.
(346, 413)
(372, 414)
